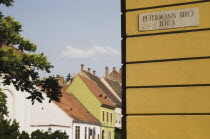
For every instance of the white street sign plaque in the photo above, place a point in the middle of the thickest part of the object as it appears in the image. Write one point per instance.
(169, 19)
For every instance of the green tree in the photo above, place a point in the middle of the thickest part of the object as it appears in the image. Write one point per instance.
(68, 78)
(8, 129)
(20, 65)
(3, 107)
(58, 135)
(24, 135)
(39, 134)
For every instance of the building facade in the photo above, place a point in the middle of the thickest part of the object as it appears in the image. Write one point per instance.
(96, 102)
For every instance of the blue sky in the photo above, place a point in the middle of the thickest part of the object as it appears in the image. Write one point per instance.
(72, 32)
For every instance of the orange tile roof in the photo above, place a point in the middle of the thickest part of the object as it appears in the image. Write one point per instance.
(95, 89)
(112, 97)
(18, 51)
(115, 86)
(74, 109)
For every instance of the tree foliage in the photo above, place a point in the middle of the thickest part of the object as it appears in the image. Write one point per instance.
(24, 135)
(39, 134)
(9, 129)
(3, 107)
(68, 78)
(20, 65)
(6, 2)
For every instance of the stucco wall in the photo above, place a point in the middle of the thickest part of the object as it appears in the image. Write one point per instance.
(107, 131)
(85, 96)
(110, 122)
(46, 113)
(118, 117)
(82, 130)
(18, 106)
(38, 116)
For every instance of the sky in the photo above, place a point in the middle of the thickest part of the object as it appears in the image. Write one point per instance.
(72, 32)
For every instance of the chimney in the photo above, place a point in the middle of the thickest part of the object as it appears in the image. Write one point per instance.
(94, 73)
(89, 70)
(82, 67)
(114, 68)
(107, 72)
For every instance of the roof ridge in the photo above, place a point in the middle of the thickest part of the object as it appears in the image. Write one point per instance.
(104, 88)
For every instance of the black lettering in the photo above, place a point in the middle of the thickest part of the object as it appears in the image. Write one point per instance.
(181, 14)
(160, 17)
(173, 23)
(156, 17)
(173, 15)
(161, 23)
(144, 18)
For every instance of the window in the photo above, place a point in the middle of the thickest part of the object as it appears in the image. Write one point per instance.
(120, 118)
(89, 133)
(103, 116)
(10, 104)
(103, 134)
(111, 117)
(116, 117)
(110, 135)
(94, 133)
(107, 114)
(77, 135)
(85, 132)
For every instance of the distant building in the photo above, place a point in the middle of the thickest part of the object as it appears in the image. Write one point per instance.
(115, 88)
(96, 102)
(101, 85)
(114, 74)
(108, 89)
(44, 116)
(68, 115)
(84, 125)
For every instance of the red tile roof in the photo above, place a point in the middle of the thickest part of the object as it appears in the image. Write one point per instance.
(115, 86)
(18, 51)
(112, 97)
(95, 89)
(74, 109)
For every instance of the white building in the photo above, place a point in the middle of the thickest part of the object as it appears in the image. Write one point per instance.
(68, 115)
(85, 125)
(43, 116)
(115, 88)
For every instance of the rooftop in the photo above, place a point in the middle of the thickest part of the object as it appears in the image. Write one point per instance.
(95, 89)
(74, 109)
(103, 88)
(115, 86)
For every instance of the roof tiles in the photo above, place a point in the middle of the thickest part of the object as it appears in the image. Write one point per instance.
(112, 97)
(95, 89)
(73, 108)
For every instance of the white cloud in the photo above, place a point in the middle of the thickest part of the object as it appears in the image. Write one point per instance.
(96, 51)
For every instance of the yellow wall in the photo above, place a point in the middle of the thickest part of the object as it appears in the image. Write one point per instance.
(132, 18)
(166, 74)
(173, 46)
(168, 127)
(135, 4)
